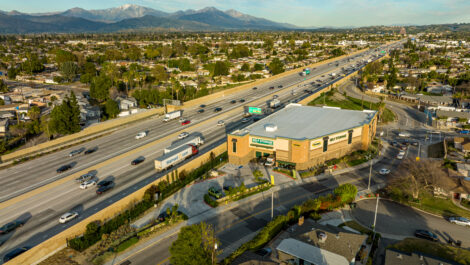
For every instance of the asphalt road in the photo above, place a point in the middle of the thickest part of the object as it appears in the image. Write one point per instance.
(41, 212)
(401, 221)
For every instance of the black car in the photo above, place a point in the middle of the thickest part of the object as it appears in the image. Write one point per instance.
(14, 253)
(63, 168)
(138, 160)
(200, 111)
(10, 227)
(254, 88)
(89, 151)
(271, 87)
(103, 189)
(233, 101)
(279, 86)
(242, 100)
(424, 234)
(202, 106)
(217, 109)
(104, 183)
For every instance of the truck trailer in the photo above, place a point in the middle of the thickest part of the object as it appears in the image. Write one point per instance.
(168, 160)
(195, 140)
(274, 103)
(172, 115)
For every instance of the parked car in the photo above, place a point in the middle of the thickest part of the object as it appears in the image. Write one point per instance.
(400, 156)
(138, 160)
(89, 151)
(75, 152)
(220, 123)
(162, 216)
(186, 122)
(424, 234)
(200, 111)
(89, 183)
(14, 253)
(183, 135)
(217, 109)
(264, 251)
(66, 217)
(85, 177)
(384, 171)
(214, 193)
(63, 168)
(105, 188)
(459, 221)
(140, 135)
(7, 228)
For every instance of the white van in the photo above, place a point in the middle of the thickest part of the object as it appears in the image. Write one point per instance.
(404, 134)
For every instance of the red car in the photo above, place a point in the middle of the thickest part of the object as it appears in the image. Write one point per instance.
(186, 122)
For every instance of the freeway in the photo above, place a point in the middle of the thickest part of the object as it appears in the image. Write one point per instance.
(27, 176)
(41, 211)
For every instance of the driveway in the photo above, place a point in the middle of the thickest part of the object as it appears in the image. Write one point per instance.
(397, 221)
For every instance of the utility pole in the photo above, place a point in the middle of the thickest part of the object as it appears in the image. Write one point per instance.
(370, 173)
(272, 205)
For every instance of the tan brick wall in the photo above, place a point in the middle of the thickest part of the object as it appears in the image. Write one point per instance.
(59, 241)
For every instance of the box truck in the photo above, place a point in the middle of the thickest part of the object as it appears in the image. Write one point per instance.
(172, 115)
(168, 160)
(195, 140)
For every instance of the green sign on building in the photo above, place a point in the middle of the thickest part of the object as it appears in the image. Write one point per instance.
(255, 110)
(261, 141)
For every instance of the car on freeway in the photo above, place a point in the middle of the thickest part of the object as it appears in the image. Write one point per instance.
(279, 86)
(414, 143)
(214, 192)
(7, 228)
(89, 151)
(109, 185)
(245, 120)
(186, 122)
(202, 106)
(66, 217)
(217, 109)
(394, 143)
(183, 135)
(241, 100)
(63, 168)
(220, 123)
(89, 183)
(257, 118)
(233, 101)
(254, 88)
(14, 253)
(275, 96)
(384, 171)
(400, 156)
(104, 183)
(459, 221)
(75, 152)
(425, 234)
(85, 177)
(200, 111)
(138, 160)
(271, 87)
(140, 135)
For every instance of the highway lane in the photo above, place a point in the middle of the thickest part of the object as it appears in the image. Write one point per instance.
(40, 171)
(46, 207)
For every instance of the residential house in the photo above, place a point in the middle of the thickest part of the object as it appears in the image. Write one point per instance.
(6, 99)
(458, 141)
(452, 184)
(4, 123)
(396, 257)
(126, 103)
(444, 89)
(315, 244)
(463, 169)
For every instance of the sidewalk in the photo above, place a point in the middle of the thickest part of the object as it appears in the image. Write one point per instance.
(207, 213)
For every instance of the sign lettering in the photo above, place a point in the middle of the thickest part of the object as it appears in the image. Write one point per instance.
(261, 141)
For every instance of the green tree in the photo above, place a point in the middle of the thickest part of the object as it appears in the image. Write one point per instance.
(220, 68)
(34, 113)
(159, 73)
(3, 87)
(32, 64)
(240, 51)
(276, 66)
(99, 88)
(65, 118)
(347, 192)
(258, 67)
(12, 73)
(245, 67)
(111, 108)
(69, 70)
(194, 245)
(62, 56)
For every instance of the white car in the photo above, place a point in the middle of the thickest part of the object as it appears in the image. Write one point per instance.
(87, 184)
(67, 217)
(402, 152)
(459, 221)
(220, 123)
(384, 171)
(400, 156)
(182, 119)
(140, 135)
(183, 135)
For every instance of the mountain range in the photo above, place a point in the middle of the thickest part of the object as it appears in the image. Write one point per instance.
(132, 17)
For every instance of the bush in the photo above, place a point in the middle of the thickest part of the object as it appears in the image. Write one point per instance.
(208, 199)
(126, 244)
(346, 192)
(268, 232)
(284, 171)
(315, 216)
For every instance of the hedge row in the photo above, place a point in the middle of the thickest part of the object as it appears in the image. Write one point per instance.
(95, 230)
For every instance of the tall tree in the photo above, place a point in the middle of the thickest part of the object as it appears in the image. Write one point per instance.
(65, 118)
(276, 66)
(111, 108)
(69, 70)
(99, 88)
(194, 245)
(3, 87)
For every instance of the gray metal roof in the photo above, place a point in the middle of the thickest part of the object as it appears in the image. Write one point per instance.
(310, 253)
(305, 122)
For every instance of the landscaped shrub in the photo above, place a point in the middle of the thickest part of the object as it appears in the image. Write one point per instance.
(208, 199)
(126, 244)
(268, 232)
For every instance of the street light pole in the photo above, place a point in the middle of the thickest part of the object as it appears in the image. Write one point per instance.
(272, 205)
(375, 218)
(213, 252)
(370, 173)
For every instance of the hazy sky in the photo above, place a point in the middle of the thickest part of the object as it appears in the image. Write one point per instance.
(298, 12)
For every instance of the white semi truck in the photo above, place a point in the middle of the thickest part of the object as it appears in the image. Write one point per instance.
(195, 140)
(172, 115)
(170, 159)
